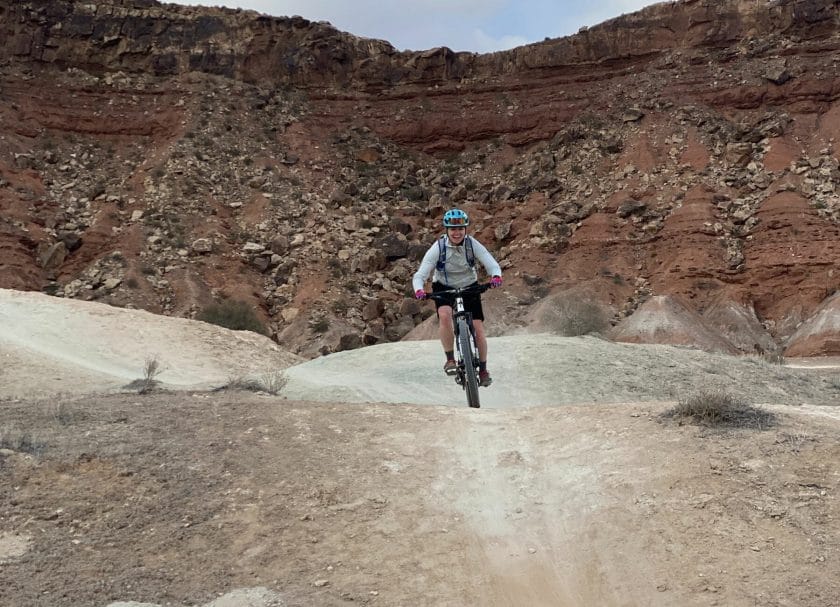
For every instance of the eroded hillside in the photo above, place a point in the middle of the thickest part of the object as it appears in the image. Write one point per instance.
(165, 157)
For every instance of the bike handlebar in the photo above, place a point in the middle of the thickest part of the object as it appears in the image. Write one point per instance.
(478, 289)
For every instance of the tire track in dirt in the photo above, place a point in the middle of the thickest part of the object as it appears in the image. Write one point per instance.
(544, 529)
(517, 546)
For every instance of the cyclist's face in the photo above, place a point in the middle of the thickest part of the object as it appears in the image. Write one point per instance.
(456, 235)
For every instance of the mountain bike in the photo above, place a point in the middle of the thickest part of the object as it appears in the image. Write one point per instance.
(466, 351)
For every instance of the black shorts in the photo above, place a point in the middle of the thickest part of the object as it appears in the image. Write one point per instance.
(472, 302)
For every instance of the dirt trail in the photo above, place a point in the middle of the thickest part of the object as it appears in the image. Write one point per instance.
(515, 532)
(181, 498)
(566, 489)
(530, 501)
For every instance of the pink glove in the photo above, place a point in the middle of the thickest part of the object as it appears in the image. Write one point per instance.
(420, 294)
(496, 281)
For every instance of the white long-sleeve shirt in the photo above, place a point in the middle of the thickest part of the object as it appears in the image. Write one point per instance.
(457, 273)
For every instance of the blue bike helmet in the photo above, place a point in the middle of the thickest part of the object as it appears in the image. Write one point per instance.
(455, 218)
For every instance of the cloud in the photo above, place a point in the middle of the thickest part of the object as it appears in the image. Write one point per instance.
(417, 25)
(462, 25)
(611, 9)
(484, 43)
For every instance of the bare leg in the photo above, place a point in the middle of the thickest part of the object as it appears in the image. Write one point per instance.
(480, 340)
(447, 334)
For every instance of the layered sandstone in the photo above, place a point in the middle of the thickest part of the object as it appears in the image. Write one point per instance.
(163, 156)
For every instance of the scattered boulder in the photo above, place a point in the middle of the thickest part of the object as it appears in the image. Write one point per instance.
(202, 246)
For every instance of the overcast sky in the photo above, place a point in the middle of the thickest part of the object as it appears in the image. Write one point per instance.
(463, 25)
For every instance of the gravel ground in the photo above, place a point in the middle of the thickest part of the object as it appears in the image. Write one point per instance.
(369, 481)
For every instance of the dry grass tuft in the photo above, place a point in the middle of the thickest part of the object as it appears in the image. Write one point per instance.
(717, 408)
(151, 369)
(271, 382)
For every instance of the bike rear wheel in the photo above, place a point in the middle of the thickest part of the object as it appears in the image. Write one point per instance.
(470, 376)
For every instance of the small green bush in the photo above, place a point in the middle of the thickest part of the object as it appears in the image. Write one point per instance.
(340, 306)
(233, 314)
(319, 324)
(720, 409)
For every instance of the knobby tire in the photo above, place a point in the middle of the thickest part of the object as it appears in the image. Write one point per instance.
(470, 377)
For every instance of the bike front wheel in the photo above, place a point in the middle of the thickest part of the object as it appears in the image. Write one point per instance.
(470, 376)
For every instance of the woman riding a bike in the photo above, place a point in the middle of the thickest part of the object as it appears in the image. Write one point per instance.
(452, 259)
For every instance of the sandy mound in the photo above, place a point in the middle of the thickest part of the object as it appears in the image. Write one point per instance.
(50, 345)
(545, 369)
(820, 334)
(664, 320)
(740, 325)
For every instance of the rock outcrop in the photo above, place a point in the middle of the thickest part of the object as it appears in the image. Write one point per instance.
(164, 157)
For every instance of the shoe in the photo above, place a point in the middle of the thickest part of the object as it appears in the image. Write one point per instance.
(484, 378)
(451, 367)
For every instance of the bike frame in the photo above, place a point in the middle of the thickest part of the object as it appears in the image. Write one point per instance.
(466, 349)
(460, 313)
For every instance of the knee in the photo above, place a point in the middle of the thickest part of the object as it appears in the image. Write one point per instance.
(445, 314)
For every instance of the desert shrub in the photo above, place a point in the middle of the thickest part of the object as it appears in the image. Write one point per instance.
(768, 359)
(233, 314)
(340, 306)
(336, 267)
(795, 441)
(414, 193)
(573, 316)
(719, 408)
(320, 324)
(151, 369)
(774, 357)
(272, 382)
